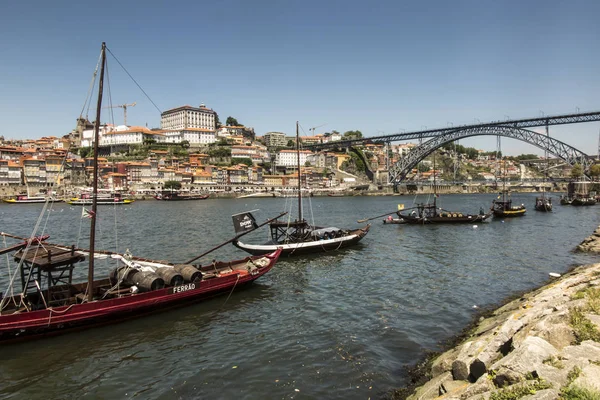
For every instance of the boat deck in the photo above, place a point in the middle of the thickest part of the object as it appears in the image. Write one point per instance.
(48, 256)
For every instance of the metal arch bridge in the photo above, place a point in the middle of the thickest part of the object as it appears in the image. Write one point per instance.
(560, 149)
(422, 134)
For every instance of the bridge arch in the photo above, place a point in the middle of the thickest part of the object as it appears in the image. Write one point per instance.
(555, 147)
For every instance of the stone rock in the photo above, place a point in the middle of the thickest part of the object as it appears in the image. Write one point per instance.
(556, 376)
(588, 351)
(589, 378)
(546, 394)
(483, 385)
(460, 366)
(443, 363)
(452, 388)
(523, 360)
(595, 319)
(559, 335)
(506, 377)
(430, 390)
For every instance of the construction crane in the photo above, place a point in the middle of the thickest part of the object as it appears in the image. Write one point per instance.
(313, 129)
(124, 107)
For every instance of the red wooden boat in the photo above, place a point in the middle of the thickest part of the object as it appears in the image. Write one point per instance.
(47, 301)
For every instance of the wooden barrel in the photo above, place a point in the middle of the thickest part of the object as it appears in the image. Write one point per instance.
(170, 276)
(122, 273)
(189, 272)
(146, 281)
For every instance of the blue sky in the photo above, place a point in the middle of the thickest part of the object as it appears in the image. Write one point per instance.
(379, 67)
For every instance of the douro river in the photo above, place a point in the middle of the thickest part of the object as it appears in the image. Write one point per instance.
(339, 326)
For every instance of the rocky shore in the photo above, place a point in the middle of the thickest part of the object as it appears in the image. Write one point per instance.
(543, 345)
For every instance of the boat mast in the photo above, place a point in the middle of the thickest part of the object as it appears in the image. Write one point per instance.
(90, 288)
(299, 180)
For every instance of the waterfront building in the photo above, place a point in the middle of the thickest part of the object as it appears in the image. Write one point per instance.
(288, 158)
(308, 140)
(256, 153)
(275, 139)
(186, 117)
(322, 160)
(10, 173)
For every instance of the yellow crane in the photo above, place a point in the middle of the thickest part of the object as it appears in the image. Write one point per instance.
(124, 107)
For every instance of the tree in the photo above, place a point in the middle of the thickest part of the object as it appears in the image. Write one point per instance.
(576, 171)
(172, 185)
(217, 122)
(307, 164)
(353, 135)
(291, 143)
(85, 152)
(595, 170)
(232, 122)
(241, 160)
(185, 144)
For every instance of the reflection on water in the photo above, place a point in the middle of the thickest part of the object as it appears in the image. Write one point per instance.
(342, 325)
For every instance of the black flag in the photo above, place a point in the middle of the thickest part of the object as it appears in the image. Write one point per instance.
(243, 222)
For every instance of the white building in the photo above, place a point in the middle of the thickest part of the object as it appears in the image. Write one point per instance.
(288, 158)
(188, 117)
(129, 135)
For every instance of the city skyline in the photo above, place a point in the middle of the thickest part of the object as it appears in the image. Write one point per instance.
(380, 69)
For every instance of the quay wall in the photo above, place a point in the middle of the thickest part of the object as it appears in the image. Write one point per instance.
(543, 345)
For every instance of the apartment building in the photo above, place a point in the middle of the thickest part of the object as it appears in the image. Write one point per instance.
(187, 117)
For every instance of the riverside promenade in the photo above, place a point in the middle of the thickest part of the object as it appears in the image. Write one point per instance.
(543, 345)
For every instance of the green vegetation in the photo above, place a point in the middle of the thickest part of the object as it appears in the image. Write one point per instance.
(219, 152)
(232, 122)
(172, 185)
(577, 171)
(579, 393)
(595, 170)
(522, 157)
(351, 135)
(583, 328)
(85, 152)
(518, 391)
(554, 361)
(241, 160)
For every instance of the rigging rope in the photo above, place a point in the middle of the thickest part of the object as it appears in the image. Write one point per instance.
(134, 81)
(91, 88)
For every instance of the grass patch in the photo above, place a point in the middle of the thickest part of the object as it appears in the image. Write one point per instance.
(573, 374)
(521, 390)
(583, 328)
(593, 298)
(554, 362)
(579, 393)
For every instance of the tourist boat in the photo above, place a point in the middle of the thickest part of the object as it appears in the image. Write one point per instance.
(430, 213)
(25, 199)
(47, 300)
(296, 237)
(86, 199)
(502, 206)
(175, 196)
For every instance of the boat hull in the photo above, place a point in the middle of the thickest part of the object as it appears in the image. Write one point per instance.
(453, 218)
(310, 247)
(57, 320)
(509, 213)
(181, 198)
(100, 202)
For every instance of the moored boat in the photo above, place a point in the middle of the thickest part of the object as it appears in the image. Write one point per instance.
(24, 199)
(543, 204)
(48, 301)
(502, 207)
(299, 236)
(86, 199)
(175, 196)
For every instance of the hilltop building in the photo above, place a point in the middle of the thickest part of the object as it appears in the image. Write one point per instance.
(186, 117)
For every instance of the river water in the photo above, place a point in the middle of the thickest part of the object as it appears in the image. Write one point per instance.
(339, 326)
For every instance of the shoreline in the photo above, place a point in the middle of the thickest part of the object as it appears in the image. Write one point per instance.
(539, 344)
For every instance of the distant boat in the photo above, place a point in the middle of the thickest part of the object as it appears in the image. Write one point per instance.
(85, 199)
(175, 196)
(24, 199)
(335, 194)
(543, 204)
(502, 207)
(430, 213)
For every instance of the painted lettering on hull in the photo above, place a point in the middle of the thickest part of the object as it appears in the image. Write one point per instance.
(184, 288)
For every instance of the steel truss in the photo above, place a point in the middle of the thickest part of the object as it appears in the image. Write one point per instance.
(559, 149)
